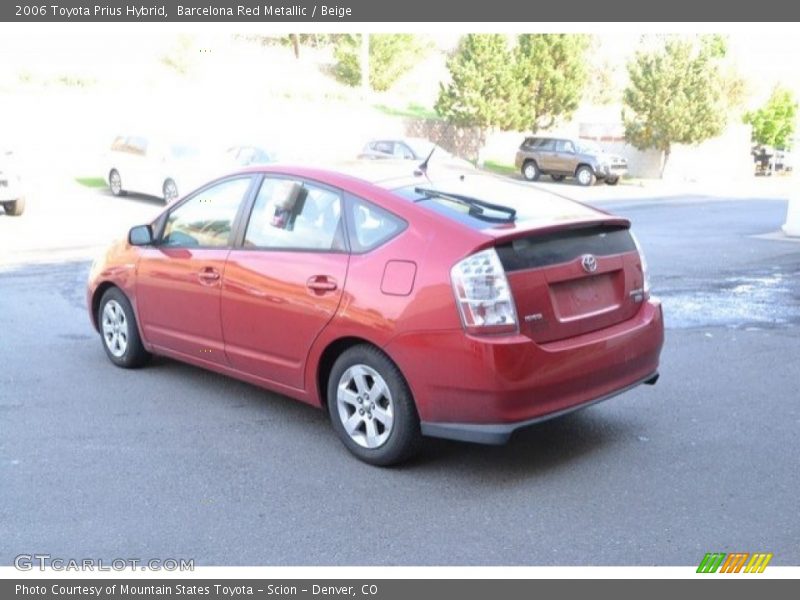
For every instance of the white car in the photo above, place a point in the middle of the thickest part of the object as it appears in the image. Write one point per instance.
(147, 166)
(12, 198)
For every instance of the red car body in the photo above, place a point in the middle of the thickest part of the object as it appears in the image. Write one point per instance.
(279, 318)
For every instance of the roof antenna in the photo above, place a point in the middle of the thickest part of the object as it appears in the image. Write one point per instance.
(422, 169)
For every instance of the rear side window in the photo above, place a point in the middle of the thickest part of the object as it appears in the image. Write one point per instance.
(546, 144)
(137, 145)
(294, 215)
(370, 225)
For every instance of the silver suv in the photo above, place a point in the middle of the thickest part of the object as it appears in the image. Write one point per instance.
(566, 157)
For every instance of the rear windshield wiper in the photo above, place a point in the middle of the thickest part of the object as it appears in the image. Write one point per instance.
(477, 208)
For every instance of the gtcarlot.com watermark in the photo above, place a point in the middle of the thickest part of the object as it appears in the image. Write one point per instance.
(42, 562)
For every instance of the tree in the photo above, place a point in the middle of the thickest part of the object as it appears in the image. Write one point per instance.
(551, 75)
(481, 90)
(773, 124)
(391, 55)
(675, 94)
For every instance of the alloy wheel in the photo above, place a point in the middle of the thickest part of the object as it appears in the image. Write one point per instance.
(365, 406)
(115, 328)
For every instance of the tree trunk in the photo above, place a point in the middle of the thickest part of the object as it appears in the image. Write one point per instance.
(295, 44)
(664, 158)
(366, 88)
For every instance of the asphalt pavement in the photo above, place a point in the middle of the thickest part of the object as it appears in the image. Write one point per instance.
(174, 462)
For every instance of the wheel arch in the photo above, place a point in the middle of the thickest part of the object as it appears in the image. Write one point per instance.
(97, 296)
(334, 350)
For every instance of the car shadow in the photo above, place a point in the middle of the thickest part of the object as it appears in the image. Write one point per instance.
(531, 452)
(132, 197)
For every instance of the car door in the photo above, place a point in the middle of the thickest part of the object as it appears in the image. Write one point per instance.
(284, 281)
(136, 168)
(178, 280)
(546, 156)
(564, 161)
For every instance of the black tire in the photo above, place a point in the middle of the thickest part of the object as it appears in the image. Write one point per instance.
(612, 180)
(133, 355)
(557, 177)
(15, 208)
(402, 439)
(170, 191)
(585, 176)
(115, 183)
(530, 170)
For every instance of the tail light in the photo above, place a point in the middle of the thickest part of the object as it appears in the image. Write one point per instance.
(483, 295)
(643, 260)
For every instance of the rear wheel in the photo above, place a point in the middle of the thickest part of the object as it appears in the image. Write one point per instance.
(557, 177)
(119, 331)
(170, 189)
(585, 176)
(371, 407)
(115, 183)
(15, 208)
(612, 180)
(530, 171)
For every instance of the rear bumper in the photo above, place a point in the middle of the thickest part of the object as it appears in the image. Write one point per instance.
(499, 433)
(483, 388)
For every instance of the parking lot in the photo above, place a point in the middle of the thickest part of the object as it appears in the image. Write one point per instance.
(173, 461)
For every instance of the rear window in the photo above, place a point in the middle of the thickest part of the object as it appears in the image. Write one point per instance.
(544, 250)
(531, 205)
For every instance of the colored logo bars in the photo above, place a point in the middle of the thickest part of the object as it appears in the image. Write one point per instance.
(735, 562)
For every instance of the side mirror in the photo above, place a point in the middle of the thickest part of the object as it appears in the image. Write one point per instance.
(141, 235)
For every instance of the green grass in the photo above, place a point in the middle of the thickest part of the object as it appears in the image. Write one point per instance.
(501, 168)
(412, 110)
(92, 182)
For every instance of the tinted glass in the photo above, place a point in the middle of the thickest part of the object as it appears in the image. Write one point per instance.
(545, 144)
(371, 225)
(206, 219)
(556, 248)
(564, 146)
(295, 215)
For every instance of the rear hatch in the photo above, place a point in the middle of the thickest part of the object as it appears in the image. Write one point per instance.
(573, 281)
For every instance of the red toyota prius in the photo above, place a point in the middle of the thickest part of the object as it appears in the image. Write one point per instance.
(464, 306)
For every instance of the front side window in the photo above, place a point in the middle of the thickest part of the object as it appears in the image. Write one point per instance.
(384, 147)
(294, 215)
(206, 219)
(565, 146)
(403, 151)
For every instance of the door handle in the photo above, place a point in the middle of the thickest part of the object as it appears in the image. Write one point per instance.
(208, 275)
(321, 283)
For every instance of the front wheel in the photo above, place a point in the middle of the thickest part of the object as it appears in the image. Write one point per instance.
(120, 333)
(585, 176)
(371, 407)
(15, 208)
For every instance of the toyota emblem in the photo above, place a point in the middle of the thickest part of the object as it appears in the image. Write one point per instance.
(589, 263)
